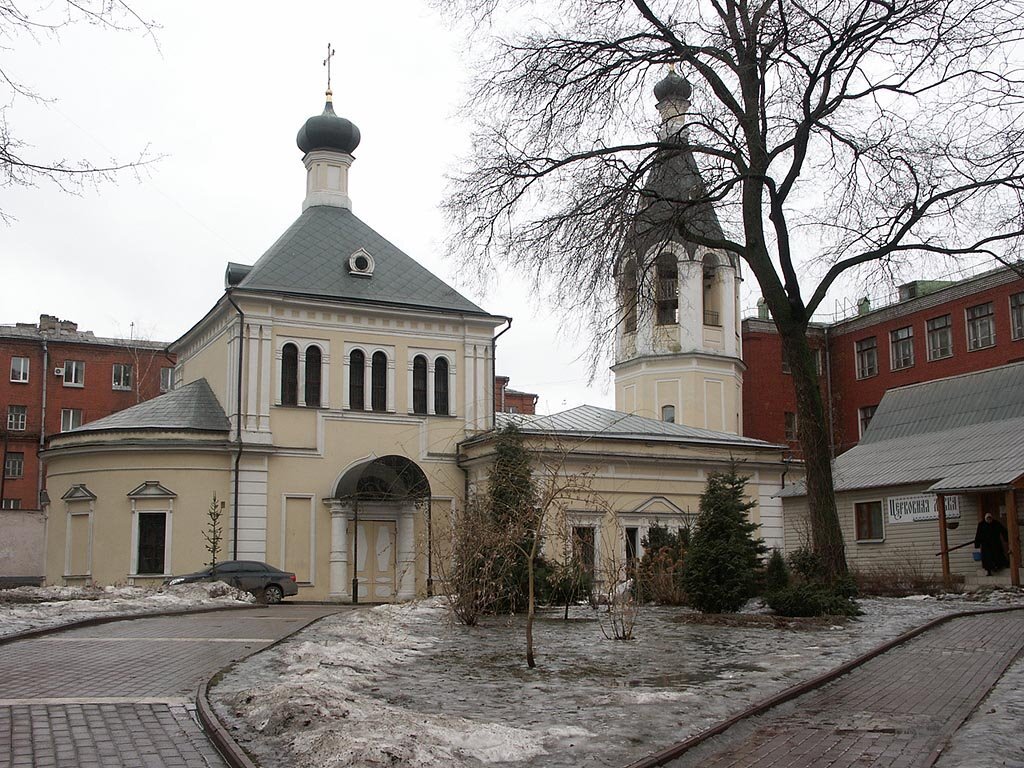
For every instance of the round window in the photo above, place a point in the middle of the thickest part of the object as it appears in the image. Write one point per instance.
(362, 263)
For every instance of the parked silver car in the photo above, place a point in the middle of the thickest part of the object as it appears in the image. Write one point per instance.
(268, 583)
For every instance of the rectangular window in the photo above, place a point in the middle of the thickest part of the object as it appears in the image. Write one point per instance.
(865, 415)
(785, 366)
(791, 431)
(14, 464)
(1017, 316)
(74, 373)
(981, 327)
(868, 516)
(166, 379)
(152, 541)
(17, 415)
(818, 357)
(122, 376)
(583, 547)
(70, 418)
(867, 358)
(19, 369)
(940, 337)
(11, 504)
(901, 348)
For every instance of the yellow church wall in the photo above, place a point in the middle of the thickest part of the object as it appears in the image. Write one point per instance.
(100, 545)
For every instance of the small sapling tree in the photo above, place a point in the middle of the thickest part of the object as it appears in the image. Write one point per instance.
(213, 533)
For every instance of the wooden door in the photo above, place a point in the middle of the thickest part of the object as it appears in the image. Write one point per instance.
(375, 564)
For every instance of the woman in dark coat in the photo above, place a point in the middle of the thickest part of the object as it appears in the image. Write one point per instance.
(989, 539)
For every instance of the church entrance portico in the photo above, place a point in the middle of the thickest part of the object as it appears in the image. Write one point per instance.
(373, 547)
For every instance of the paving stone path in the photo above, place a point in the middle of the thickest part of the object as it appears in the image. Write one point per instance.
(122, 694)
(895, 711)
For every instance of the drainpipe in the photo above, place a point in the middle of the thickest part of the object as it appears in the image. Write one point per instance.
(828, 395)
(494, 368)
(238, 421)
(42, 423)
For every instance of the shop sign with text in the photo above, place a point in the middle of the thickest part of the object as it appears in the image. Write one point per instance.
(915, 509)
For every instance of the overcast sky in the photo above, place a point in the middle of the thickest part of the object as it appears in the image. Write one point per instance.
(219, 98)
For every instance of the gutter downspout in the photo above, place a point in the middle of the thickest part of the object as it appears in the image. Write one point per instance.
(42, 422)
(828, 395)
(494, 370)
(238, 422)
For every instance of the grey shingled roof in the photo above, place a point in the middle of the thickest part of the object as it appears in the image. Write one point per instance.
(311, 259)
(589, 420)
(193, 407)
(959, 434)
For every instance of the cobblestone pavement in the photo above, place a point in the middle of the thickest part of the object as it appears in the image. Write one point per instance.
(122, 694)
(896, 711)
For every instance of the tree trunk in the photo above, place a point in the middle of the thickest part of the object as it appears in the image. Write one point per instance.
(812, 431)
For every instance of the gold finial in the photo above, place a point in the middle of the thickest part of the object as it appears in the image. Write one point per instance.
(327, 63)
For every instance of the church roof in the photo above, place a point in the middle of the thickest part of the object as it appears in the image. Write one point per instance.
(193, 407)
(592, 421)
(312, 259)
(674, 177)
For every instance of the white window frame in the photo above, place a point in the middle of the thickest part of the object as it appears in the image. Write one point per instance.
(9, 457)
(1017, 316)
(74, 373)
(668, 414)
(302, 344)
(947, 333)
(901, 348)
(118, 382)
(20, 367)
(168, 538)
(17, 419)
(861, 426)
(67, 419)
(881, 521)
(432, 356)
(368, 351)
(976, 325)
(10, 504)
(166, 379)
(861, 356)
(796, 426)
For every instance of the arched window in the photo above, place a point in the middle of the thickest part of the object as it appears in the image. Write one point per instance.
(289, 375)
(668, 413)
(419, 384)
(441, 387)
(667, 289)
(356, 366)
(379, 382)
(628, 295)
(313, 377)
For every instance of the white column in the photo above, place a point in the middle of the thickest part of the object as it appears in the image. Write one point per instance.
(691, 305)
(368, 382)
(409, 385)
(727, 276)
(452, 391)
(300, 395)
(251, 404)
(391, 386)
(266, 355)
(430, 387)
(325, 380)
(341, 584)
(406, 551)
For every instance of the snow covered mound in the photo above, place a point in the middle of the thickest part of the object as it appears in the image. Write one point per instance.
(25, 608)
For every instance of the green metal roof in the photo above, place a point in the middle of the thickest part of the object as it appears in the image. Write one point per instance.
(312, 259)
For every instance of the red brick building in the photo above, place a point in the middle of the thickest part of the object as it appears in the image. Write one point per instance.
(935, 329)
(54, 378)
(512, 401)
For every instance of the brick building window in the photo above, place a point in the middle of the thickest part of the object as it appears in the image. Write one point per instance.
(901, 348)
(981, 327)
(11, 504)
(74, 373)
(14, 464)
(791, 430)
(868, 516)
(867, 358)
(122, 378)
(19, 370)
(17, 415)
(940, 337)
(70, 418)
(166, 379)
(864, 416)
(1017, 316)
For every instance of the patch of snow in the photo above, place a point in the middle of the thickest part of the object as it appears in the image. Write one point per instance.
(405, 685)
(25, 608)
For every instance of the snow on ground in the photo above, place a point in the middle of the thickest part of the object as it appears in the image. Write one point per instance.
(404, 685)
(25, 608)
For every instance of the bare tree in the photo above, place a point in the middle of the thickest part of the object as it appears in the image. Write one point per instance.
(828, 136)
(20, 163)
